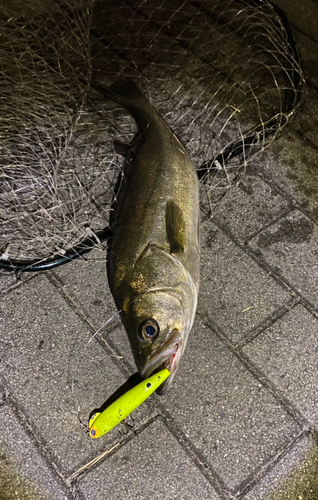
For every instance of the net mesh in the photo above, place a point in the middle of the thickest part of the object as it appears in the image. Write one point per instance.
(223, 74)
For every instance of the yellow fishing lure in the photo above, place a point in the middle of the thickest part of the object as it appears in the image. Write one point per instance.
(101, 423)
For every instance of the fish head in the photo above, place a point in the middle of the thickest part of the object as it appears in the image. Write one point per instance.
(159, 319)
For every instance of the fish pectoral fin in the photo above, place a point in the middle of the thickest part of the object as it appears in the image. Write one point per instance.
(175, 227)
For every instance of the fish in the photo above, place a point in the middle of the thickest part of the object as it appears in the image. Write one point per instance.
(154, 256)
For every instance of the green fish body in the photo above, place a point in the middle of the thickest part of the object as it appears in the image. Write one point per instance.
(153, 266)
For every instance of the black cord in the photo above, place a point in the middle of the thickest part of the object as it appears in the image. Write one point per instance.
(84, 247)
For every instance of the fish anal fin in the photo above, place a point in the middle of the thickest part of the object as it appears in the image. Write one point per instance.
(175, 227)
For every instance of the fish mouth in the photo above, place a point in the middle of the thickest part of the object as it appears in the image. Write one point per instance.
(167, 355)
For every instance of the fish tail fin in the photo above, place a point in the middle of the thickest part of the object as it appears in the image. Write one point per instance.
(126, 93)
(127, 90)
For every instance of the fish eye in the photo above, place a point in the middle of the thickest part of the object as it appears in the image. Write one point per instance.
(150, 329)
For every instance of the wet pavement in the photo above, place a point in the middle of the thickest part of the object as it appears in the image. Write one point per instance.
(241, 418)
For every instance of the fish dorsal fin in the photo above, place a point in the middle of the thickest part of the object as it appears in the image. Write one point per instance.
(175, 227)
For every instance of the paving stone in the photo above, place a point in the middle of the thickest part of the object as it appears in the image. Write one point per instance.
(25, 463)
(152, 465)
(9, 280)
(47, 367)
(293, 477)
(287, 353)
(118, 338)
(305, 122)
(236, 294)
(308, 57)
(224, 411)
(291, 247)
(87, 285)
(293, 166)
(86, 282)
(303, 15)
(246, 209)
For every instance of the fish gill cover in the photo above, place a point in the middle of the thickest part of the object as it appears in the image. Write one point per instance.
(223, 74)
